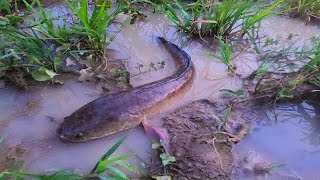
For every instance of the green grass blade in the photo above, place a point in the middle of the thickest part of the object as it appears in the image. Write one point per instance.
(109, 152)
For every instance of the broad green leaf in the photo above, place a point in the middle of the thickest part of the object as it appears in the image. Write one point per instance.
(43, 74)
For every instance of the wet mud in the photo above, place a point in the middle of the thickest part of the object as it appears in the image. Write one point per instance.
(200, 151)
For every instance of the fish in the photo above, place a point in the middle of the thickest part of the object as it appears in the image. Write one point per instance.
(124, 110)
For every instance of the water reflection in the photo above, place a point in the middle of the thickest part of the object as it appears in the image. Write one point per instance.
(287, 134)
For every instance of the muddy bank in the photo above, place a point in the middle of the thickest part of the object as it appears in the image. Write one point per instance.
(202, 151)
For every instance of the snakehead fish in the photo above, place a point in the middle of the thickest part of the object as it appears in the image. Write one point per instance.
(117, 112)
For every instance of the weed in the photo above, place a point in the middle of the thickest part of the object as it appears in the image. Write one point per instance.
(226, 117)
(8, 7)
(92, 28)
(104, 169)
(282, 71)
(27, 51)
(304, 8)
(44, 24)
(226, 51)
(212, 18)
(37, 45)
(166, 158)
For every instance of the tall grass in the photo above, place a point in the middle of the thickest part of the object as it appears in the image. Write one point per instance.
(92, 27)
(27, 51)
(36, 44)
(213, 18)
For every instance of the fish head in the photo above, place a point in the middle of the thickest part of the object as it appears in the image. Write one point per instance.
(83, 128)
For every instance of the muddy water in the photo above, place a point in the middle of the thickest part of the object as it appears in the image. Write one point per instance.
(285, 134)
(30, 118)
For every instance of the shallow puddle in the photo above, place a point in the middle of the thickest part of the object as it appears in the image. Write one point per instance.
(288, 135)
(30, 118)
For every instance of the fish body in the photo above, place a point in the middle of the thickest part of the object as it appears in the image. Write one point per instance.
(117, 112)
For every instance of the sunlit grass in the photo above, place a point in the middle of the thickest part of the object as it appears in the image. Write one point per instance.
(212, 18)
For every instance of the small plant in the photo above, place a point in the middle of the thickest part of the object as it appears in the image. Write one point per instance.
(23, 51)
(226, 118)
(284, 69)
(166, 158)
(226, 51)
(212, 18)
(92, 28)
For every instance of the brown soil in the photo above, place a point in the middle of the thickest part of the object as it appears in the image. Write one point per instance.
(200, 151)
(10, 155)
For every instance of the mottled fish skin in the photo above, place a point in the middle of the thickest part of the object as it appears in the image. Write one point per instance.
(117, 112)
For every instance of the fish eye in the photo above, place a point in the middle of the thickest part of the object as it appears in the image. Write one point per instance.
(78, 135)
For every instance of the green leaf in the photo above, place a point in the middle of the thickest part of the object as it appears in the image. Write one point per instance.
(43, 74)
(129, 167)
(109, 153)
(117, 173)
(56, 63)
(105, 164)
(167, 159)
(261, 70)
(284, 94)
(238, 93)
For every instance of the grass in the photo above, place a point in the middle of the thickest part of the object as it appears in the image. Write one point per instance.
(280, 76)
(211, 18)
(106, 168)
(92, 28)
(26, 51)
(226, 50)
(36, 45)
(304, 8)
(9, 6)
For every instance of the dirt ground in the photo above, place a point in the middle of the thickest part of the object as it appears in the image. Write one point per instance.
(200, 151)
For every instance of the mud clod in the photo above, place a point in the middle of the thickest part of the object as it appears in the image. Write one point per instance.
(201, 152)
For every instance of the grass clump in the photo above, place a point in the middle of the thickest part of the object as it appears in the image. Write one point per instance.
(226, 50)
(37, 45)
(289, 71)
(28, 52)
(304, 8)
(92, 28)
(212, 18)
